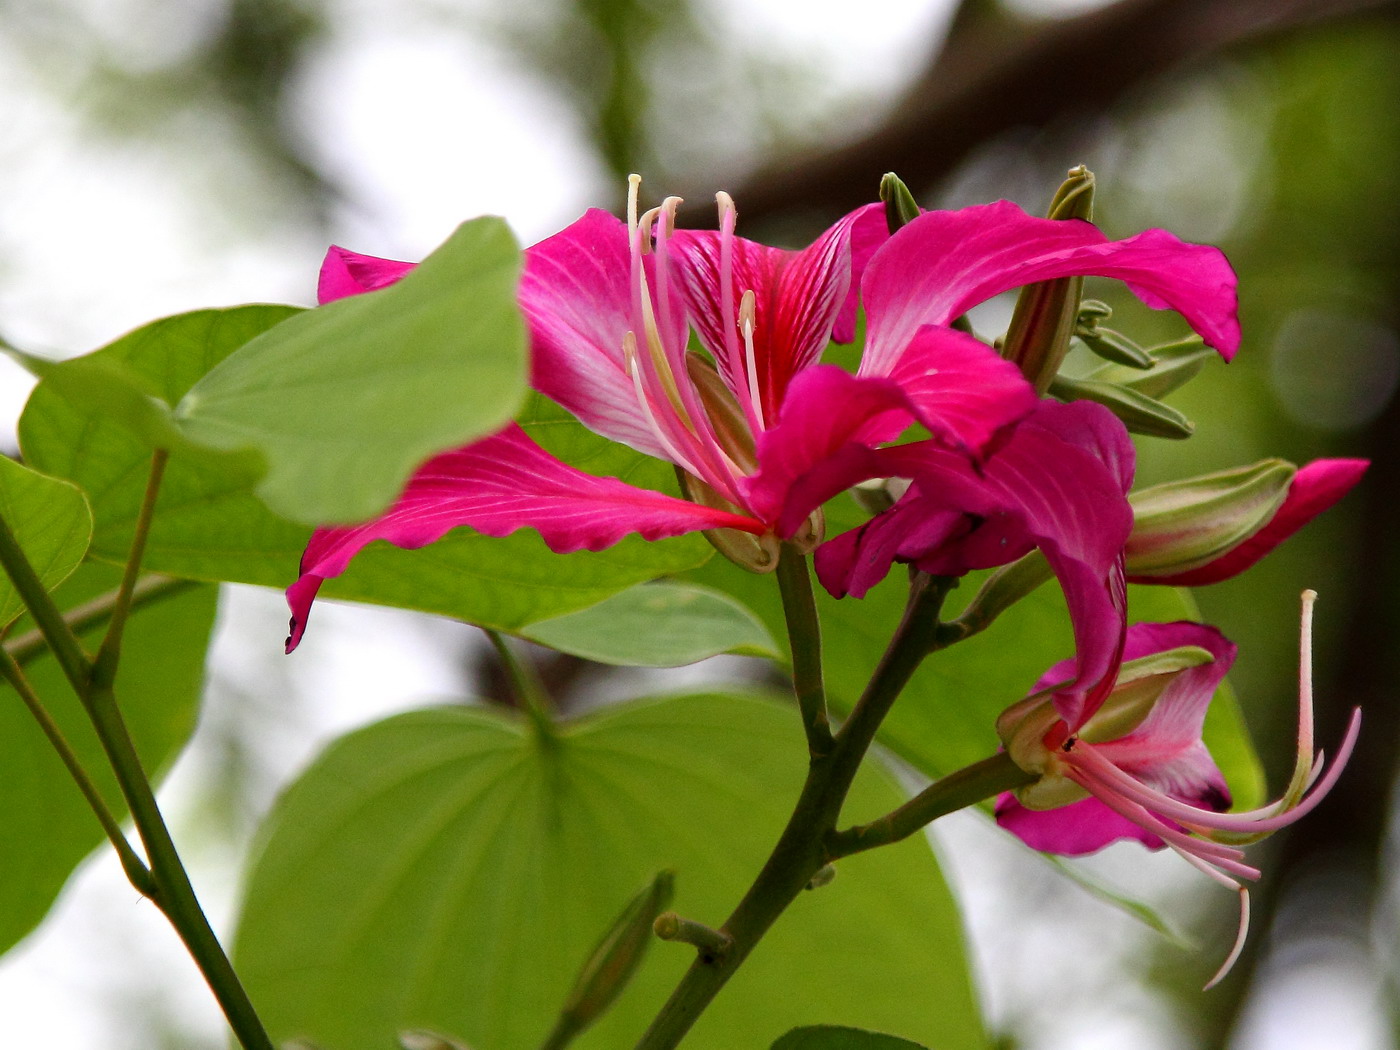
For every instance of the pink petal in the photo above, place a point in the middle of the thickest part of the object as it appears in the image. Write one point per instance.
(869, 232)
(1081, 827)
(348, 273)
(827, 410)
(1057, 482)
(797, 298)
(498, 485)
(954, 385)
(1314, 488)
(962, 389)
(577, 298)
(855, 561)
(1174, 725)
(943, 263)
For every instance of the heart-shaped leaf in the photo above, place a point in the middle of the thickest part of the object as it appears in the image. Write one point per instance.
(345, 401)
(448, 869)
(660, 624)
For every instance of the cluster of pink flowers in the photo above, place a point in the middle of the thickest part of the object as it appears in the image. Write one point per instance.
(763, 434)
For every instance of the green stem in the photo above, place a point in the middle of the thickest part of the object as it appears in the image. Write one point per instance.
(956, 791)
(104, 667)
(801, 848)
(136, 870)
(173, 893)
(1001, 590)
(804, 634)
(525, 683)
(56, 633)
(151, 589)
(671, 927)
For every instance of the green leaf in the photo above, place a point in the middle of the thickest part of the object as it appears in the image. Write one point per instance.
(50, 521)
(208, 523)
(48, 828)
(345, 401)
(945, 718)
(657, 625)
(828, 1037)
(211, 526)
(447, 869)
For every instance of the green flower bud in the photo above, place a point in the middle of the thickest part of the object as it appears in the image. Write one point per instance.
(1183, 525)
(614, 960)
(1046, 313)
(900, 206)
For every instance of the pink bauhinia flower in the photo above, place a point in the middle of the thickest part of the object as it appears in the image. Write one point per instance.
(607, 305)
(1136, 768)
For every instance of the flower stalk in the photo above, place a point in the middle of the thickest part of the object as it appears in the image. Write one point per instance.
(165, 882)
(802, 849)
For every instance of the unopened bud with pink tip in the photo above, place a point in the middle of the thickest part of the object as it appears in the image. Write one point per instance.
(1209, 528)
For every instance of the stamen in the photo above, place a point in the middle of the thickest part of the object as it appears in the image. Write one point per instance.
(735, 357)
(746, 325)
(634, 185)
(1240, 937)
(1224, 857)
(629, 357)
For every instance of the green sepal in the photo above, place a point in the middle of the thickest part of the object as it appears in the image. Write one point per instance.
(1181, 525)
(1139, 413)
(1047, 313)
(900, 206)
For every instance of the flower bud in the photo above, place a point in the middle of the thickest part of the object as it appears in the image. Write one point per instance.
(1184, 525)
(614, 960)
(1046, 313)
(1140, 414)
(900, 206)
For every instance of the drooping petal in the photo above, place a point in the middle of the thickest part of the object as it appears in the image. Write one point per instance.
(497, 485)
(798, 295)
(1080, 828)
(577, 299)
(1057, 483)
(945, 262)
(858, 559)
(349, 273)
(1314, 488)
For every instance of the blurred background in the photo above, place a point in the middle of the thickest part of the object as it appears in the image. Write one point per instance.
(159, 156)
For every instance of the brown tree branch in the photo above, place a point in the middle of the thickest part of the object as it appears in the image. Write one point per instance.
(1000, 74)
